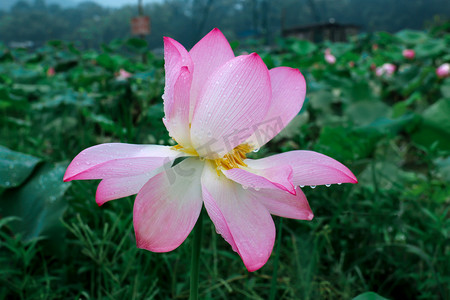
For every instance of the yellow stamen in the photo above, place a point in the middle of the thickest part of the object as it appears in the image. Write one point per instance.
(189, 151)
(233, 159)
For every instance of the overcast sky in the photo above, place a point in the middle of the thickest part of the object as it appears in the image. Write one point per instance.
(6, 4)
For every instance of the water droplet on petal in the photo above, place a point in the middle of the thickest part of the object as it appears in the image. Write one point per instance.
(339, 183)
(245, 187)
(256, 188)
(256, 150)
(312, 186)
(301, 186)
(327, 185)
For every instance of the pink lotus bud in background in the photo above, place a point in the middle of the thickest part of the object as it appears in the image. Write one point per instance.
(351, 64)
(375, 47)
(51, 72)
(379, 71)
(386, 69)
(390, 68)
(123, 75)
(409, 53)
(443, 70)
(329, 58)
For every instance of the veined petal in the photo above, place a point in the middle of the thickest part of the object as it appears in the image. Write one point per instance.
(239, 217)
(123, 167)
(309, 167)
(117, 160)
(177, 119)
(288, 94)
(167, 207)
(235, 98)
(285, 205)
(175, 58)
(211, 52)
(119, 187)
(278, 177)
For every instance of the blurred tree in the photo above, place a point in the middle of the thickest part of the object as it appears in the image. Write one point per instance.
(201, 9)
(39, 5)
(188, 20)
(20, 7)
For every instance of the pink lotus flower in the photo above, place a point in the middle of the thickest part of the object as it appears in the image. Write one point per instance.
(329, 58)
(443, 70)
(386, 69)
(218, 108)
(409, 53)
(51, 72)
(123, 75)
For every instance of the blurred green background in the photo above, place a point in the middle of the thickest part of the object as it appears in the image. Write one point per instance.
(389, 234)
